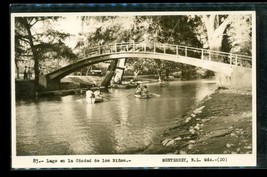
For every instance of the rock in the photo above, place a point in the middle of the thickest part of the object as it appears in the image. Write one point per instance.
(232, 134)
(193, 115)
(182, 152)
(170, 143)
(198, 110)
(192, 141)
(204, 120)
(219, 133)
(198, 119)
(197, 127)
(201, 107)
(248, 147)
(165, 141)
(187, 119)
(178, 138)
(192, 131)
(233, 152)
(228, 145)
(190, 146)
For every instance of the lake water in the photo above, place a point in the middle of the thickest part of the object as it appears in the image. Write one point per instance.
(122, 123)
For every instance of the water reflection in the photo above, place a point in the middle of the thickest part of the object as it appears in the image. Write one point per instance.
(121, 123)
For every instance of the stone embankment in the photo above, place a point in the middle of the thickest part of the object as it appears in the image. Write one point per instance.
(220, 124)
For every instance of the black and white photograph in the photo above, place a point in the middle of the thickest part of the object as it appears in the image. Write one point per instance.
(133, 89)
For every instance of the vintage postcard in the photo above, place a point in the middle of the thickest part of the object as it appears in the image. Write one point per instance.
(133, 89)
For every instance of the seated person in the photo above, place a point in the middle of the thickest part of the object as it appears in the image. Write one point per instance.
(145, 91)
(90, 94)
(131, 82)
(138, 90)
(98, 94)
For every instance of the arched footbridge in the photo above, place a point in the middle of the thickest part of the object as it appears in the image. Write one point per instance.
(219, 62)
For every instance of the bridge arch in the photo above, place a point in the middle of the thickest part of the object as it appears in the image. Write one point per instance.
(140, 50)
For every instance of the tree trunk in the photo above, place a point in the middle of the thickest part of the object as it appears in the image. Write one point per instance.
(109, 74)
(215, 44)
(88, 70)
(160, 77)
(17, 69)
(215, 29)
(135, 75)
(35, 57)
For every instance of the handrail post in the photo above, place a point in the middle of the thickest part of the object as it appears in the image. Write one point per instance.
(133, 47)
(154, 48)
(236, 60)
(231, 60)
(115, 47)
(177, 50)
(186, 51)
(164, 49)
(202, 54)
(144, 47)
(127, 47)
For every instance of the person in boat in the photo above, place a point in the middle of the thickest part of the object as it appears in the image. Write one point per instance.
(138, 90)
(132, 82)
(90, 96)
(98, 94)
(145, 91)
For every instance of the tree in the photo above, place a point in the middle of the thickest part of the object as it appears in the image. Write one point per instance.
(181, 30)
(39, 45)
(216, 26)
(139, 65)
(240, 35)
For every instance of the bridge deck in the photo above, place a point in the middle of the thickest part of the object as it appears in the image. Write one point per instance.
(209, 59)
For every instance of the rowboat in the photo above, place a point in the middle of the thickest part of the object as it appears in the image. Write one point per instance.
(123, 86)
(98, 99)
(94, 100)
(142, 96)
(164, 84)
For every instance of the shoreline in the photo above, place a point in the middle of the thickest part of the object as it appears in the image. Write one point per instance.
(221, 123)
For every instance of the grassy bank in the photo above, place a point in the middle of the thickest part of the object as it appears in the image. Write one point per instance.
(220, 124)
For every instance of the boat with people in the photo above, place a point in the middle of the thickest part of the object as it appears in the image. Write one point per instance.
(146, 96)
(98, 99)
(126, 85)
(142, 92)
(164, 84)
(94, 96)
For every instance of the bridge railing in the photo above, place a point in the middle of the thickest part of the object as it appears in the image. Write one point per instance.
(170, 49)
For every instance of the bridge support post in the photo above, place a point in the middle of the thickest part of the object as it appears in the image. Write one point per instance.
(49, 84)
(110, 73)
(241, 78)
(223, 80)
